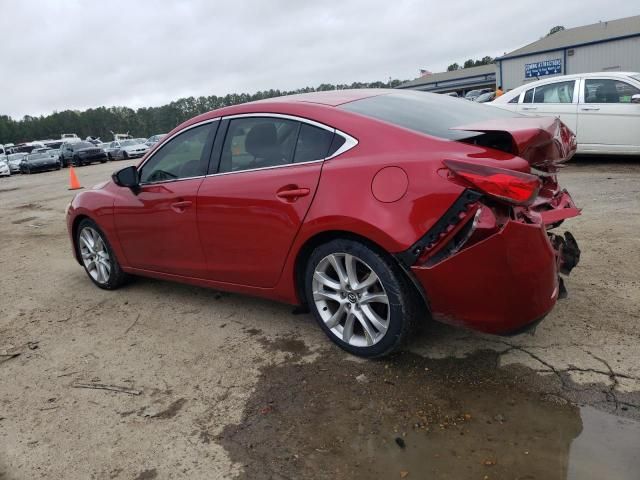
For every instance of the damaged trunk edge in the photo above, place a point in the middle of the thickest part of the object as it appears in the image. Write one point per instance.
(476, 221)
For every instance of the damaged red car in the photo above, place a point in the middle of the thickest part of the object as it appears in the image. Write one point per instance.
(374, 209)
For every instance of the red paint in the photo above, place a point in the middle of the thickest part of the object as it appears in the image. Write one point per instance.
(243, 231)
(390, 184)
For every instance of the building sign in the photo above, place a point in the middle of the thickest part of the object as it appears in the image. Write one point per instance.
(540, 69)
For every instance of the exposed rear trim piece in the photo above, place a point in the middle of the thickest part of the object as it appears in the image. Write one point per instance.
(450, 218)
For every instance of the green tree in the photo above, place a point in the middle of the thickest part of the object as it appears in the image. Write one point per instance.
(145, 121)
(556, 29)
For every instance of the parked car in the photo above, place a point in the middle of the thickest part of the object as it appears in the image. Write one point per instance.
(473, 94)
(14, 161)
(27, 147)
(70, 137)
(602, 108)
(153, 139)
(125, 149)
(106, 147)
(5, 171)
(81, 153)
(365, 205)
(40, 162)
(53, 144)
(485, 97)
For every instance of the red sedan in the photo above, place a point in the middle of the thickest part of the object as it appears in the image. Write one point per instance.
(375, 209)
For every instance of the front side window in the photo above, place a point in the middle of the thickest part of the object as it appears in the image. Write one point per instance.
(560, 92)
(258, 142)
(608, 91)
(184, 156)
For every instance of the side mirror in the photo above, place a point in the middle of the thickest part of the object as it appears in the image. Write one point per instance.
(127, 177)
(635, 98)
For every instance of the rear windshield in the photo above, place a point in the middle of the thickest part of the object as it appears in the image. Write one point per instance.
(427, 112)
(37, 156)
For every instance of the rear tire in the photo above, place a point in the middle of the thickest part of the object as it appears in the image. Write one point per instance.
(369, 308)
(97, 256)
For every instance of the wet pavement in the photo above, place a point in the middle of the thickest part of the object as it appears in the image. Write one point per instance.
(338, 417)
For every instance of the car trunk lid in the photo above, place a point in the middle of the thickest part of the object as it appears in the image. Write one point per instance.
(544, 142)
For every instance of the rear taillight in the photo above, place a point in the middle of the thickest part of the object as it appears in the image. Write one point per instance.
(508, 185)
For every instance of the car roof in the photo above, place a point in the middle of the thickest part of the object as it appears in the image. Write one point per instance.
(331, 98)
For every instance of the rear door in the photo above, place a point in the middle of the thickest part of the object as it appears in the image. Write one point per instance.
(558, 99)
(252, 205)
(608, 121)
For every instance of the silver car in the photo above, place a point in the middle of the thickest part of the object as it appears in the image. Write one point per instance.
(14, 160)
(127, 149)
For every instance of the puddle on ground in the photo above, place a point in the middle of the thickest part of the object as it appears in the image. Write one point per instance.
(608, 447)
(411, 417)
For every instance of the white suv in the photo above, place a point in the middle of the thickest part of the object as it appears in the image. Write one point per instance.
(603, 108)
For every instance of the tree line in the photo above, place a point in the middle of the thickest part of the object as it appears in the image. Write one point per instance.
(141, 122)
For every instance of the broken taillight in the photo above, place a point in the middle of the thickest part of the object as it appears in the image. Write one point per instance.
(507, 185)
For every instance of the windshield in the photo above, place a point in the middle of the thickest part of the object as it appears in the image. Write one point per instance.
(80, 145)
(428, 113)
(128, 143)
(636, 77)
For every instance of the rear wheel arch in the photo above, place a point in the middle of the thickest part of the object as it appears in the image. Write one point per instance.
(304, 253)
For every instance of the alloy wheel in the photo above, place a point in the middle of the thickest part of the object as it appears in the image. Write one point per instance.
(351, 299)
(95, 255)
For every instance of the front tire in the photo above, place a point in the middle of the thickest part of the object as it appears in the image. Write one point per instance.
(97, 256)
(125, 156)
(360, 298)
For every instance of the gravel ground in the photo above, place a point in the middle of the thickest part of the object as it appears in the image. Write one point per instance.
(218, 385)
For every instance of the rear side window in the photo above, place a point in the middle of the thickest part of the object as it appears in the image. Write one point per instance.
(313, 143)
(515, 99)
(258, 142)
(560, 92)
(608, 91)
(428, 113)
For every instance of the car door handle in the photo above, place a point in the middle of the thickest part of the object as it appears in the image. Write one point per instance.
(293, 194)
(181, 206)
(529, 108)
(586, 109)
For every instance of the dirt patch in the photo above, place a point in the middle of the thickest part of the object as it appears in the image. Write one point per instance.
(147, 475)
(335, 418)
(23, 220)
(172, 410)
(32, 206)
(291, 345)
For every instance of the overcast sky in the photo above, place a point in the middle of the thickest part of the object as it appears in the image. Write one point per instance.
(66, 54)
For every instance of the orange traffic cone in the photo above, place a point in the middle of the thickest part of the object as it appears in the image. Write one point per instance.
(74, 184)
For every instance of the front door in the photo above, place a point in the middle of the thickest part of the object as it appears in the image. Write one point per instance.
(607, 117)
(251, 209)
(157, 226)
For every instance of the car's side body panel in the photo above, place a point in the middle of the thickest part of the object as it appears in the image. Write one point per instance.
(158, 227)
(246, 228)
